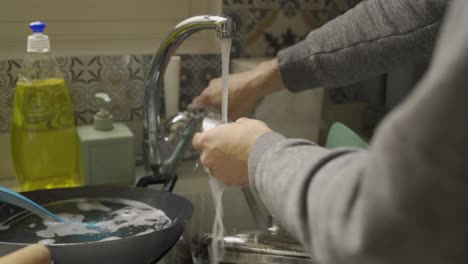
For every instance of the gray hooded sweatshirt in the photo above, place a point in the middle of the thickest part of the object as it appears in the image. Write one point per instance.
(405, 198)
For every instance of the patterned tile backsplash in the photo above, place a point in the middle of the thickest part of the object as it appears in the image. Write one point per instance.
(122, 77)
(265, 27)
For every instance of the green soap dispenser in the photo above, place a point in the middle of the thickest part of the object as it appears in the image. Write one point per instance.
(107, 149)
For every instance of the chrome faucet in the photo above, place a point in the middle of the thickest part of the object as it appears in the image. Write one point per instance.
(165, 144)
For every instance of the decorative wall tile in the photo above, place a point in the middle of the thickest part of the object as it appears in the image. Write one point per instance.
(267, 26)
(196, 73)
(8, 75)
(122, 77)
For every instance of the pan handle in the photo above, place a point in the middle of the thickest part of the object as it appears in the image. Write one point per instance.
(167, 182)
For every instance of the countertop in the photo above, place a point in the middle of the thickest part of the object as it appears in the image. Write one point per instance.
(190, 180)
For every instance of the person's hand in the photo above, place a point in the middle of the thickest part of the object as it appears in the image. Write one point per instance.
(244, 89)
(225, 149)
(242, 99)
(33, 254)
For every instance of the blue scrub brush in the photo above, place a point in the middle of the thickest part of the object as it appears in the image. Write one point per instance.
(14, 198)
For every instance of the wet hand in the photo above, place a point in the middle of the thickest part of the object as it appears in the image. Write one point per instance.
(244, 89)
(225, 149)
(242, 99)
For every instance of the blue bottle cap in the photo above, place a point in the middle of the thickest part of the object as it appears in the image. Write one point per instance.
(37, 26)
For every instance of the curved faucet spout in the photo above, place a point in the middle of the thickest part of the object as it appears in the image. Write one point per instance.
(158, 152)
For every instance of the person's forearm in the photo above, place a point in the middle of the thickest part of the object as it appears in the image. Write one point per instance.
(403, 200)
(265, 79)
(374, 37)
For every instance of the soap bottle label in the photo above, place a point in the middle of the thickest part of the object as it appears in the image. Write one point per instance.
(45, 105)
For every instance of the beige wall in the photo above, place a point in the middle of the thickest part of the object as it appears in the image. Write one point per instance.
(292, 115)
(90, 27)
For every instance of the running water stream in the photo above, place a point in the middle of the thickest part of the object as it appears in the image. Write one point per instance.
(225, 52)
(217, 187)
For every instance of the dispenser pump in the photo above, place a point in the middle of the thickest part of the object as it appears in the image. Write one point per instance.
(103, 119)
(107, 149)
(38, 42)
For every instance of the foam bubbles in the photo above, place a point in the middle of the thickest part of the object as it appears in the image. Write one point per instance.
(87, 220)
(110, 238)
(133, 216)
(46, 242)
(73, 225)
(86, 206)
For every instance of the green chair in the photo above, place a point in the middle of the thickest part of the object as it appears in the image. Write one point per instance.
(342, 136)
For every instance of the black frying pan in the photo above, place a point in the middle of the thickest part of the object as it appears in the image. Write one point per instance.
(142, 249)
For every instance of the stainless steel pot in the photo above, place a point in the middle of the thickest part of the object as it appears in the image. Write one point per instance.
(270, 246)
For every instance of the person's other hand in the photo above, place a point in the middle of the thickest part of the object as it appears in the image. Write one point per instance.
(244, 89)
(225, 149)
(33, 254)
(242, 99)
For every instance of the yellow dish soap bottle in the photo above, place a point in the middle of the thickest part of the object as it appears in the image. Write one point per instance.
(43, 134)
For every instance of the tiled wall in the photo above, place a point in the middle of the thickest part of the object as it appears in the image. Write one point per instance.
(122, 77)
(265, 26)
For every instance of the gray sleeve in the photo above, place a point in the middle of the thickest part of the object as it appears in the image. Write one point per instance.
(403, 200)
(374, 37)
